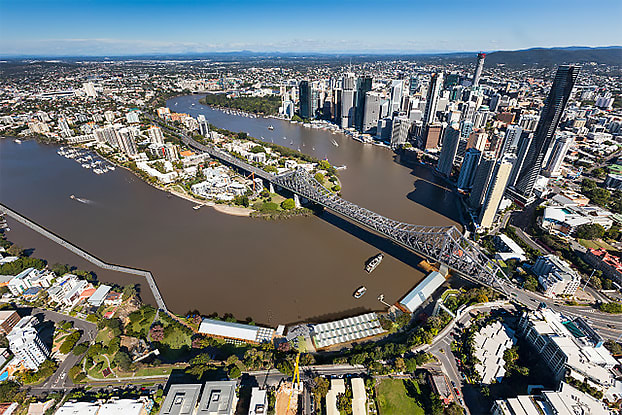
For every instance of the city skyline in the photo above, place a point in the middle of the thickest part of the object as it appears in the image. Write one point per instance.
(69, 28)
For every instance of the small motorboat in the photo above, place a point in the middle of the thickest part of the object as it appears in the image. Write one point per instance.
(359, 292)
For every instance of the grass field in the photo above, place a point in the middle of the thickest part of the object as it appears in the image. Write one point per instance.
(393, 398)
(596, 244)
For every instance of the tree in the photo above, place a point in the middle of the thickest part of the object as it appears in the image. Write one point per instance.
(129, 291)
(157, 333)
(531, 283)
(80, 348)
(70, 342)
(288, 204)
(590, 231)
(123, 360)
(319, 177)
(60, 269)
(320, 388)
(234, 372)
(15, 250)
(454, 409)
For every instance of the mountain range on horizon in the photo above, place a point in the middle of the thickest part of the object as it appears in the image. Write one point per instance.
(608, 55)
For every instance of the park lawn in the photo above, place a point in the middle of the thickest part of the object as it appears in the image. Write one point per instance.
(177, 339)
(104, 336)
(98, 373)
(596, 244)
(153, 371)
(393, 398)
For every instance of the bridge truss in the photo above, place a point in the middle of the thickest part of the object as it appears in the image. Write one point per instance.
(444, 244)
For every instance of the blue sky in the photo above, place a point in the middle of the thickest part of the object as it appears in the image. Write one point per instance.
(96, 27)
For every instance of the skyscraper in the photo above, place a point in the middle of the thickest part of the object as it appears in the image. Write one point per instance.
(397, 89)
(524, 144)
(399, 130)
(478, 70)
(511, 139)
(363, 86)
(305, 99)
(347, 108)
(481, 179)
(494, 194)
(467, 170)
(549, 119)
(558, 153)
(429, 115)
(448, 151)
(371, 113)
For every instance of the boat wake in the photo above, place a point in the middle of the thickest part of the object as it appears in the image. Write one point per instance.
(81, 200)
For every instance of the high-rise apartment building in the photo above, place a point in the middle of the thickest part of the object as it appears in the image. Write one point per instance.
(126, 142)
(558, 153)
(481, 179)
(494, 194)
(155, 134)
(549, 119)
(451, 138)
(511, 139)
(467, 170)
(203, 126)
(26, 345)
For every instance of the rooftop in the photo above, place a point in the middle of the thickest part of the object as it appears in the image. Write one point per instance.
(181, 399)
(238, 331)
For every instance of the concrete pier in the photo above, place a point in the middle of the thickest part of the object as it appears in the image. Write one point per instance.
(87, 256)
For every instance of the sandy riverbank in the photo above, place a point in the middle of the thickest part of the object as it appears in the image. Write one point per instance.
(226, 209)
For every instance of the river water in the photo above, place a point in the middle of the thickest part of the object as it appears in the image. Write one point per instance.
(276, 272)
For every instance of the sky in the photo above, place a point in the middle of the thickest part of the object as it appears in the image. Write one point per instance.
(130, 27)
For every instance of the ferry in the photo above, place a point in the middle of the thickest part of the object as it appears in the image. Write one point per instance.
(373, 263)
(360, 292)
(270, 127)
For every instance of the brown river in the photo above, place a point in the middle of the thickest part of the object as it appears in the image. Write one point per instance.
(276, 272)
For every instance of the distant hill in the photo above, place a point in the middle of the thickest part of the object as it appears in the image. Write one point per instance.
(556, 56)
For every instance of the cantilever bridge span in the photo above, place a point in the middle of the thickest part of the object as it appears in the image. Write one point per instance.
(442, 244)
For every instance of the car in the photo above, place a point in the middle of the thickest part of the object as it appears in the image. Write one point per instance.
(611, 326)
(453, 383)
(457, 391)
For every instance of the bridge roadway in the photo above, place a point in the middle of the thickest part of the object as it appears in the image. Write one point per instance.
(443, 244)
(87, 256)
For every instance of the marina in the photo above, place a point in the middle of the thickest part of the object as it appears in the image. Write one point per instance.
(86, 159)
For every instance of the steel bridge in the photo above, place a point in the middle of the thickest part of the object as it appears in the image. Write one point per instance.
(443, 244)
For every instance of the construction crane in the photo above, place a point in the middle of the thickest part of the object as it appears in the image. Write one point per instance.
(295, 381)
(252, 177)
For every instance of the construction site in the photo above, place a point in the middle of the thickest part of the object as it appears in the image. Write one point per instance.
(288, 394)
